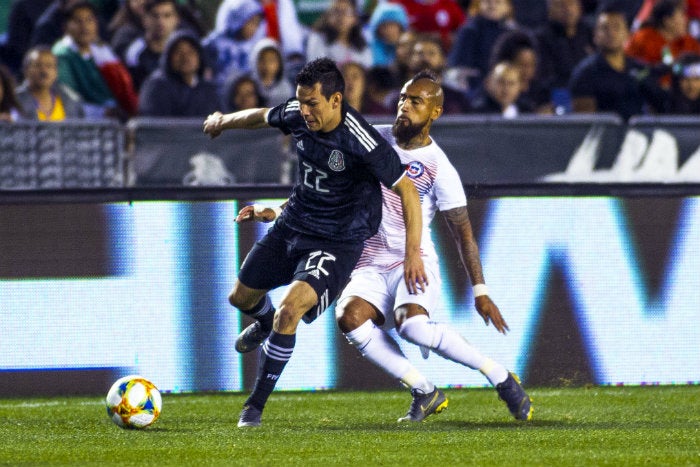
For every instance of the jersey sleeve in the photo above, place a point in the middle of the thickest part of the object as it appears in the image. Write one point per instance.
(449, 191)
(386, 164)
(285, 116)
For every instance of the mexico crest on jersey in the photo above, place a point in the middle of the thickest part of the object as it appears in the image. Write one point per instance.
(415, 169)
(336, 161)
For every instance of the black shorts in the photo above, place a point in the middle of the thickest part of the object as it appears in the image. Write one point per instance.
(284, 255)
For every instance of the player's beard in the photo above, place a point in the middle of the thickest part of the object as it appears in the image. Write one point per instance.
(405, 130)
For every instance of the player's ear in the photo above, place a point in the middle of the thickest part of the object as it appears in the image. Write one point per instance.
(336, 99)
(437, 111)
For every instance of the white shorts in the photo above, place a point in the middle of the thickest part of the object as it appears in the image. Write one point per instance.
(387, 290)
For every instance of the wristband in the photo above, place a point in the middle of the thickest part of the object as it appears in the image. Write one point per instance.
(479, 290)
(258, 210)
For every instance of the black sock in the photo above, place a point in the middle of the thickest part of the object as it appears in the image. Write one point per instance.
(263, 312)
(277, 350)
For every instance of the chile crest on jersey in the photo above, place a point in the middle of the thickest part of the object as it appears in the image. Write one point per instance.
(415, 169)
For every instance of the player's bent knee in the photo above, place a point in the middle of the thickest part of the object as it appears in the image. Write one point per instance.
(244, 298)
(352, 312)
(286, 319)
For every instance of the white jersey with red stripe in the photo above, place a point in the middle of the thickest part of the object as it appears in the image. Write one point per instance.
(439, 187)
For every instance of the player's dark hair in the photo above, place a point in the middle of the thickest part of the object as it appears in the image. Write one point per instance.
(322, 70)
(434, 78)
(426, 74)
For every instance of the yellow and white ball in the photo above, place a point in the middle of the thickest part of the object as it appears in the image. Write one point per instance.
(133, 402)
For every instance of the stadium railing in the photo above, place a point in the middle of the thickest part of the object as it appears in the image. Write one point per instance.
(486, 150)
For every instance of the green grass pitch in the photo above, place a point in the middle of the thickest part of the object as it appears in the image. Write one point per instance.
(614, 426)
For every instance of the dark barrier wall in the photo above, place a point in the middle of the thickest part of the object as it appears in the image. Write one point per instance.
(485, 149)
(596, 289)
(177, 152)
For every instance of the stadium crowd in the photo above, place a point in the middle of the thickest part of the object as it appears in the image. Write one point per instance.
(187, 58)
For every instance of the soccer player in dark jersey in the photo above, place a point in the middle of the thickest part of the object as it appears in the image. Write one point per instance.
(316, 241)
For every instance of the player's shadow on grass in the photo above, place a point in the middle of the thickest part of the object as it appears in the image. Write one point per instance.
(446, 425)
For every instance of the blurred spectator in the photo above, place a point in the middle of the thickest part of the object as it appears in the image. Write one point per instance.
(91, 68)
(404, 49)
(10, 108)
(663, 37)
(21, 20)
(49, 27)
(438, 17)
(177, 88)
(428, 53)
(501, 92)
(382, 92)
(563, 41)
(694, 17)
(387, 23)
(530, 14)
(126, 25)
(240, 24)
(41, 96)
(269, 74)
(338, 35)
(518, 47)
(160, 21)
(609, 80)
(692, 10)
(471, 51)
(355, 76)
(242, 92)
(238, 28)
(282, 24)
(684, 96)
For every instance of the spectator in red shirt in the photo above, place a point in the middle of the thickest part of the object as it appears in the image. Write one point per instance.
(692, 9)
(664, 37)
(439, 17)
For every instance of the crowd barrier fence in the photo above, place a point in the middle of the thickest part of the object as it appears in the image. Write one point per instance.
(157, 152)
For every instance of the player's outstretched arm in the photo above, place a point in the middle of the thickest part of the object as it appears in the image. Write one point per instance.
(249, 119)
(461, 229)
(258, 213)
(414, 271)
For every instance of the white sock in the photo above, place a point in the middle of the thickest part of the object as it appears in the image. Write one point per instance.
(449, 344)
(379, 348)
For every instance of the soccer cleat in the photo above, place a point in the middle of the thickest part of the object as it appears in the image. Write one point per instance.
(251, 337)
(424, 405)
(512, 393)
(250, 416)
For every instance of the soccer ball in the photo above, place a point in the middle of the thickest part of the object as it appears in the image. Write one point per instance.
(133, 402)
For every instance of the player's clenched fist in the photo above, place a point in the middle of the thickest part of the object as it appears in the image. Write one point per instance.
(213, 125)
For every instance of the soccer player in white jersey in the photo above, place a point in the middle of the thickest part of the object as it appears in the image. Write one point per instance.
(377, 296)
